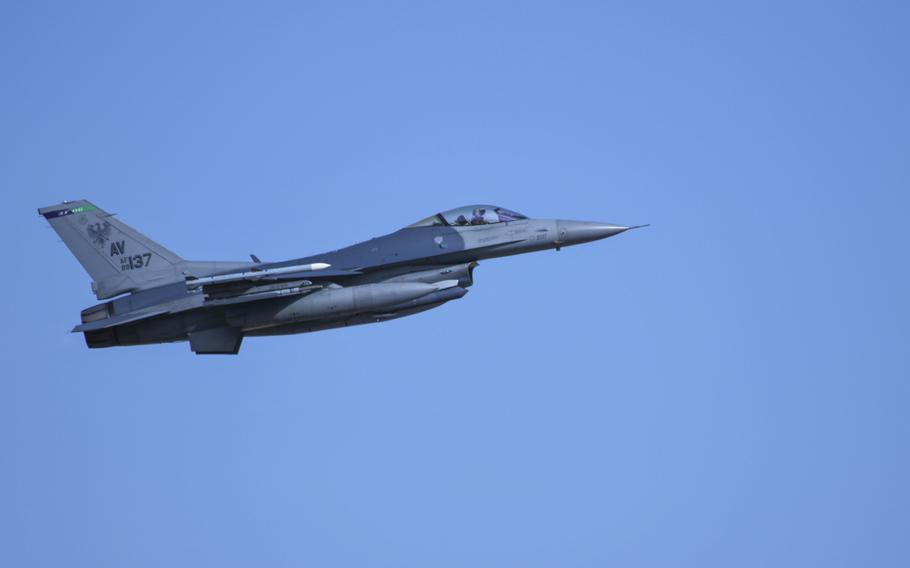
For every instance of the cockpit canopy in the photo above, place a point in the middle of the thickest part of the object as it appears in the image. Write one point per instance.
(470, 215)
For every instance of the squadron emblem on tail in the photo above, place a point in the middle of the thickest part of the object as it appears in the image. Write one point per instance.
(99, 233)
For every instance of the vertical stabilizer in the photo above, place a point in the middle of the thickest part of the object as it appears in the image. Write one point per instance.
(118, 258)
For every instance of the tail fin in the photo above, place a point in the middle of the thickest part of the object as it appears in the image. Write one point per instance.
(118, 258)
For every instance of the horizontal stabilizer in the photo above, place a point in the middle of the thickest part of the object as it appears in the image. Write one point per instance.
(118, 320)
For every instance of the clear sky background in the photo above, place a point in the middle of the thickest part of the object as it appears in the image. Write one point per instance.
(729, 387)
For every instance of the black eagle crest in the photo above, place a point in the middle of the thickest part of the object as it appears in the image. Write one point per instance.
(99, 233)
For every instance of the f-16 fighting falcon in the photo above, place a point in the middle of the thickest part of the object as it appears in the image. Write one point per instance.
(157, 297)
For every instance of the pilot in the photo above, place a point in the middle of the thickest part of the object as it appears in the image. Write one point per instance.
(478, 219)
(461, 221)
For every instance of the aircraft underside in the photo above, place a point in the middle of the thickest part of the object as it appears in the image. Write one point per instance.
(228, 315)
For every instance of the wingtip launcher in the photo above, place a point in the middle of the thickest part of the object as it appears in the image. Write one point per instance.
(253, 275)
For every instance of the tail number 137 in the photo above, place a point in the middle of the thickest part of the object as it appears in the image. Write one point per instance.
(135, 262)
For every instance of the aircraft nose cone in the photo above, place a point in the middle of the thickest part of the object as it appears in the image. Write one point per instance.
(577, 232)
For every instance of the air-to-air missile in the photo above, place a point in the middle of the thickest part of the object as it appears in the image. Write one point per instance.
(155, 296)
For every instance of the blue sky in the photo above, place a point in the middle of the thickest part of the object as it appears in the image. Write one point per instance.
(728, 387)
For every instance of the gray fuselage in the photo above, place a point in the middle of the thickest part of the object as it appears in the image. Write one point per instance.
(403, 273)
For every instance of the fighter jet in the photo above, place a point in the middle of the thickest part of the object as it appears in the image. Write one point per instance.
(156, 296)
